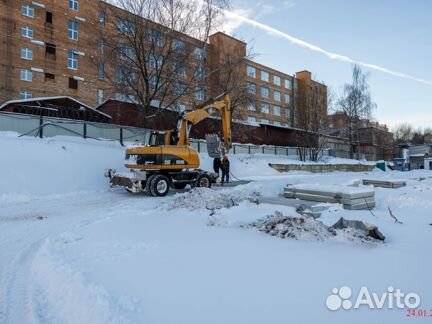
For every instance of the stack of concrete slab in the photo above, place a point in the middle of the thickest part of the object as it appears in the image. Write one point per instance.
(384, 183)
(351, 197)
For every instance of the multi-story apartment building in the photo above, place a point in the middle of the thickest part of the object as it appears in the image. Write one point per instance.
(57, 47)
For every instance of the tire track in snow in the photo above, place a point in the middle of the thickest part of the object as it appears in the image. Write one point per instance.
(22, 238)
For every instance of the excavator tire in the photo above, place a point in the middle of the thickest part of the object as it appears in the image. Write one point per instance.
(203, 180)
(148, 185)
(159, 186)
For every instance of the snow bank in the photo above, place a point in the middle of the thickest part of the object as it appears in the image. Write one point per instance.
(34, 167)
(204, 198)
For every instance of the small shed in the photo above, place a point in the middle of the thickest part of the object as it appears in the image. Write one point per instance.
(428, 163)
(58, 107)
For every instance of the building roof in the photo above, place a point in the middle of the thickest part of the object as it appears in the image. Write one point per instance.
(55, 98)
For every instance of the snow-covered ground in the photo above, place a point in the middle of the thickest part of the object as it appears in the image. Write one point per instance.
(74, 251)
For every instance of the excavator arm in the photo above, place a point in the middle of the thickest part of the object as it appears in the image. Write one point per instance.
(220, 104)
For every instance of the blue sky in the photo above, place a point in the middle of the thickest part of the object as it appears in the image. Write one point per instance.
(392, 34)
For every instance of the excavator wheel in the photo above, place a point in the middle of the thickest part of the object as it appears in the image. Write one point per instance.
(148, 184)
(203, 180)
(159, 186)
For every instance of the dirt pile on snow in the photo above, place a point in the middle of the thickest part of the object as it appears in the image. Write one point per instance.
(204, 198)
(299, 228)
(309, 229)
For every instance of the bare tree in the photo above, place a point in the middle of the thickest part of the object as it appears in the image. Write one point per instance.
(403, 133)
(356, 102)
(159, 51)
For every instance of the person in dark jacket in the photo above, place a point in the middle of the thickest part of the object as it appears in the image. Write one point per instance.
(225, 169)
(217, 165)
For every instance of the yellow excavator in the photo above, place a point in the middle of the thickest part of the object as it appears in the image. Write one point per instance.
(168, 160)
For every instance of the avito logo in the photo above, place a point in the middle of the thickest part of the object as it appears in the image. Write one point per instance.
(343, 298)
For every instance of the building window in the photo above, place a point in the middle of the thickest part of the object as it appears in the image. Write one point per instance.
(276, 80)
(101, 46)
(26, 53)
(27, 11)
(73, 84)
(101, 71)
(179, 88)
(72, 60)
(153, 81)
(264, 92)
(287, 113)
(199, 93)
(102, 18)
(199, 73)
(49, 77)
(276, 95)
(179, 68)
(199, 54)
(276, 123)
(251, 87)
(264, 121)
(179, 46)
(288, 84)
(26, 75)
(265, 108)
(123, 97)
(50, 49)
(155, 61)
(125, 26)
(49, 17)
(265, 76)
(155, 38)
(251, 119)
(251, 71)
(73, 5)
(126, 52)
(276, 110)
(101, 96)
(251, 105)
(287, 98)
(25, 94)
(125, 76)
(27, 31)
(73, 29)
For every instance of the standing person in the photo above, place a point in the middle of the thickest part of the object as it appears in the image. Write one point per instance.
(225, 169)
(217, 165)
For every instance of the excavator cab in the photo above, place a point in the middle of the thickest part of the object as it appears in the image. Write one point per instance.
(158, 138)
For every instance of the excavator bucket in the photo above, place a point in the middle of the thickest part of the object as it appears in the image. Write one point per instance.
(215, 147)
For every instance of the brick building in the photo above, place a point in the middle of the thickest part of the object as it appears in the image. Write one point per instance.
(375, 141)
(56, 48)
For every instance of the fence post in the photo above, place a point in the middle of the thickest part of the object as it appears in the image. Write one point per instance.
(249, 149)
(84, 130)
(199, 146)
(40, 127)
(287, 151)
(121, 136)
(275, 150)
(263, 149)
(234, 146)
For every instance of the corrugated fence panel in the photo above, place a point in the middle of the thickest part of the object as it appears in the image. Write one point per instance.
(29, 125)
(21, 124)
